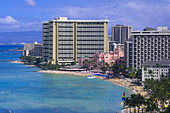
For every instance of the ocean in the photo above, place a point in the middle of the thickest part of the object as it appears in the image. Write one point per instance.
(24, 90)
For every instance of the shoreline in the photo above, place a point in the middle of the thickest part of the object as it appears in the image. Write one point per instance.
(20, 62)
(117, 81)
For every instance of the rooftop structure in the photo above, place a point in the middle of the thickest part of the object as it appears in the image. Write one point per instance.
(155, 63)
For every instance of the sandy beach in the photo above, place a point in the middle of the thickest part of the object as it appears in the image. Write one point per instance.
(117, 81)
(20, 62)
(17, 62)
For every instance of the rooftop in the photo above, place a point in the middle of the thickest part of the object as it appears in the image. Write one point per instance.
(119, 25)
(162, 30)
(164, 62)
(64, 19)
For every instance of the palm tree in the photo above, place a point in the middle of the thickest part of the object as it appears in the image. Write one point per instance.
(134, 100)
(151, 73)
(151, 104)
(139, 101)
(107, 65)
(103, 68)
(139, 74)
(160, 92)
(129, 69)
(127, 103)
(162, 76)
(145, 69)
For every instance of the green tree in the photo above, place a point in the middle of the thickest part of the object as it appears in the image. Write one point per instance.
(135, 100)
(103, 68)
(151, 104)
(38, 60)
(151, 73)
(162, 77)
(23, 58)
(139, 74)
(107, 66)
(140, 100)
(145, 69)
(160, 91)
(129, 69)
(127, 103)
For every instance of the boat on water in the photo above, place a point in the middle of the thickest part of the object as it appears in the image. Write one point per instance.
(123, 99)
(90, 77)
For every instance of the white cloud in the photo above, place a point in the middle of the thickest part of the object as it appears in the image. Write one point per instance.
(136, 13)
(30, 2)
(8, 20)
(8, 23)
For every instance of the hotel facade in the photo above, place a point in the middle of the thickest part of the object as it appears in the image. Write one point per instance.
(159, 69)
(120, 33)
(144, 46)
(64, 41)
(34, 50)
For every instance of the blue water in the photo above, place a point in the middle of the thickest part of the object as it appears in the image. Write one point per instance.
(23, 90)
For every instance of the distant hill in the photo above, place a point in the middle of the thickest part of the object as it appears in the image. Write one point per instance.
(17, 37)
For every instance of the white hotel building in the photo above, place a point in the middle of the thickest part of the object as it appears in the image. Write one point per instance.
(145, 46)
(67, 40)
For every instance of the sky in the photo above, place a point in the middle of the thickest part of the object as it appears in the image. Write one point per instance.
(27, 15)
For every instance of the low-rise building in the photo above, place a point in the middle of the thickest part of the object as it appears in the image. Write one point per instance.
(156, 69)
(34, 50)
(99, 59)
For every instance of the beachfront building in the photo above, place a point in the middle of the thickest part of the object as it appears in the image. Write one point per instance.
(99, 59)
(34, 50)
(156, 70)
(64, 41)
(144, 46)
(120, 33)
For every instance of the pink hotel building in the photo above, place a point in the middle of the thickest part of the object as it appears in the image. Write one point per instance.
(99, 59)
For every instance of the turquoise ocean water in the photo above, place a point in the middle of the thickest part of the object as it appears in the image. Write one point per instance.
(23, 90)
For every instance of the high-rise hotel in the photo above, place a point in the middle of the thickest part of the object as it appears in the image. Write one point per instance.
(144, 46)
(120, 33)
(66, 40)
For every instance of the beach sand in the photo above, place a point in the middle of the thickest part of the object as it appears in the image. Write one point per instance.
(20, 62)
(17, 62)
(117, 81)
